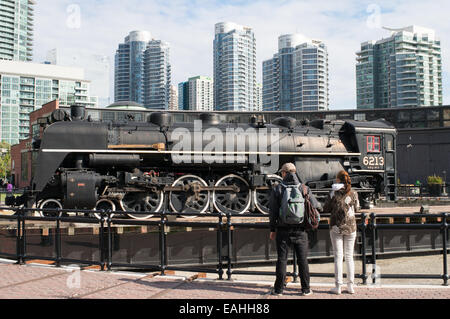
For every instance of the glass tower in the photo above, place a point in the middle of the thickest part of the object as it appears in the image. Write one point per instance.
(296, 78)
(183, 96)
(142, 71)
(234, 68)
(404, 70)
(157, 75)
(16, 30)
(129, 67)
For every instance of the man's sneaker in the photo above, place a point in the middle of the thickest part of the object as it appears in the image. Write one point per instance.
(275, 293)
(306, 292)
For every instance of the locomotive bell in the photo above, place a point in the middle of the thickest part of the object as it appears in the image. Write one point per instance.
(258, 120)
(160, 118)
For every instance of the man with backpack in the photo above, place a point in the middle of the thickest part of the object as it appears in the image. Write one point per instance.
(288, 226)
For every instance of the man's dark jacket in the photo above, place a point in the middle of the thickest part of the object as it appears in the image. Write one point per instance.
(277, 194)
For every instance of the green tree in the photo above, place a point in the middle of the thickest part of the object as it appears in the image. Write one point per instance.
(5, 161)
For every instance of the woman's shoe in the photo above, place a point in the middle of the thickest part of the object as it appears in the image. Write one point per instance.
(336, 290)
(350, 288)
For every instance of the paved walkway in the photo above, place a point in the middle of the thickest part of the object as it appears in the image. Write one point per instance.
(34, 281)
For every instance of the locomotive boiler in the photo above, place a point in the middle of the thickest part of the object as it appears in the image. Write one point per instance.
(202, 167)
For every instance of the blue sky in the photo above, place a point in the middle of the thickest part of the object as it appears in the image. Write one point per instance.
(100, 25)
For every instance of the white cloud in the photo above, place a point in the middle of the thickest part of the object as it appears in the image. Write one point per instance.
(189, 27)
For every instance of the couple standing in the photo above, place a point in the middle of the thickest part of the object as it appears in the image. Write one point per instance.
(342, 203)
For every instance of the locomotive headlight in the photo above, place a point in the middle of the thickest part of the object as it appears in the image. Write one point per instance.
(350, 170)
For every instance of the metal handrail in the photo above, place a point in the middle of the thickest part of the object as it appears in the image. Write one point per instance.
(367, 227)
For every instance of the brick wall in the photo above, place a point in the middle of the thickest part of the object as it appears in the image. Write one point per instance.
(24, 147)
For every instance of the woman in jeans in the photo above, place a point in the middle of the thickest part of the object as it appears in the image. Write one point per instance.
(343, 204)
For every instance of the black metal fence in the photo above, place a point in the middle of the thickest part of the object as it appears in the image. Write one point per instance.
(223, 226)
(423, 190)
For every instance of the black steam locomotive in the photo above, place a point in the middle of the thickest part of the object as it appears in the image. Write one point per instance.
(201, 167)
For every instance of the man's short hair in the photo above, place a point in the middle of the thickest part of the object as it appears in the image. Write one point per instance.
(288, 168)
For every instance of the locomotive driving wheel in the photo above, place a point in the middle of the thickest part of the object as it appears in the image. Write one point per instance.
(105, 205)
(50, 204)
(190, 199)
(234, 202)
(262, 196)
(150, 202)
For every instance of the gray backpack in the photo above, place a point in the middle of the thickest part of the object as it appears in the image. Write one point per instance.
(292, 208)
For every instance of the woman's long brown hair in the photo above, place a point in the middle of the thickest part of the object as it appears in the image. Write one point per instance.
(344, 178)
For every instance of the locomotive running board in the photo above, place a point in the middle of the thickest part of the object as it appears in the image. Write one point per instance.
(198, 152)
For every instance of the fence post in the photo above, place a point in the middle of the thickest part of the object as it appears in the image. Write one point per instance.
(58, 241)
(162, 241)
(19, 237)
(373, 225)
(109, 253)
(229, 245)
(219, 247)
(101, 242)
(24, 237)
(363, 252)
(444, 247)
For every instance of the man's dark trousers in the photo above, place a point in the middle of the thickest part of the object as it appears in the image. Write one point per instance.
(286, 238)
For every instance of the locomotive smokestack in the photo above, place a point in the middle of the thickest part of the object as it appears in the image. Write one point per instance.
(77, 112)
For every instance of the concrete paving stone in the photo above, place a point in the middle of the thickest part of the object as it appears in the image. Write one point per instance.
(65, 286)
(37, 282)
(12, 274)
(51, 283)
(136, 289)
(216, 290)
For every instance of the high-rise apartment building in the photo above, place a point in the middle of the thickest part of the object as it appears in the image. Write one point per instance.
(16, 30)
(173, 103)
(197, 94)
(26, 86)
(259, 103)
(183, 96)
(404, 70)
(129, 67)
(96, 69)
(142, 71)
(157, 75)
(296, 78)
(234, 68)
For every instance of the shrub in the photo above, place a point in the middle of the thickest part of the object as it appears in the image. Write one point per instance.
(435, 180)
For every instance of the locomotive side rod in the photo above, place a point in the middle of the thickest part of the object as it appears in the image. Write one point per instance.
(232, 188)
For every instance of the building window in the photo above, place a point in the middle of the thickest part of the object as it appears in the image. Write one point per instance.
(373, 144)
(24, 166)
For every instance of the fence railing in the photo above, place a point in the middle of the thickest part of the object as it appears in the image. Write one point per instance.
(423, 190)
(224, 226)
